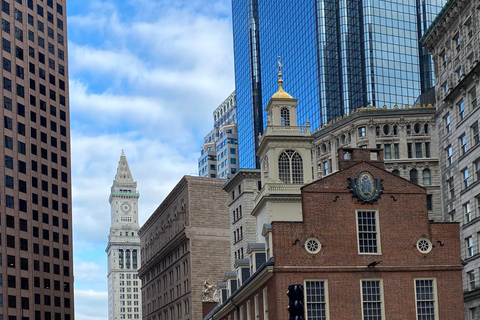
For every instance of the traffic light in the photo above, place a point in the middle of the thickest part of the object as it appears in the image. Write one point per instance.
(295, 303)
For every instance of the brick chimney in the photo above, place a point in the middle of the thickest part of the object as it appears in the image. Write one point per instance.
(348, 157)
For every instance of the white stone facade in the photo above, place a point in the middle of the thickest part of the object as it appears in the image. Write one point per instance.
(407, 134)
(243, 225)
(454, 41)
(123, 250)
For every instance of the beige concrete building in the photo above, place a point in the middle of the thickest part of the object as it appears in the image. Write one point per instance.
(454, 41)
(184, 243)
(406, 133)
(241, 190)
(36, 255)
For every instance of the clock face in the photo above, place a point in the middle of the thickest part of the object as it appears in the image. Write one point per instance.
(125, 207)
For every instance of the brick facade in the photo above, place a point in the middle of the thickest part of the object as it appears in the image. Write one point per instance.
(330, 215)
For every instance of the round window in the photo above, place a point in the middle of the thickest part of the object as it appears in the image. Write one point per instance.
(424, 245)
(417, 128)
(386, 129)
(312, 245)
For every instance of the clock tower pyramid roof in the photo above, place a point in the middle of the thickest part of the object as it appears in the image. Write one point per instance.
(124, 177)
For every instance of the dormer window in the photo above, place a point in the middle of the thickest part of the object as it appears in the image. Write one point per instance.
(285, 115)
(290, 167)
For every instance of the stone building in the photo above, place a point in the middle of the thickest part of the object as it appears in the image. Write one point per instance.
(407, 134)
(241, 189)
(184, 243)
(123, 249)
(454, 41)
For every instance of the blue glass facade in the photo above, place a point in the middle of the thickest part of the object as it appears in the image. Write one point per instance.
(339, 55)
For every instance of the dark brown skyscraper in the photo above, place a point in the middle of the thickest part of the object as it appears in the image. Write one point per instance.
(36, 261)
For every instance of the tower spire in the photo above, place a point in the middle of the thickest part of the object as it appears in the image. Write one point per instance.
(281, 93)
(124, 175)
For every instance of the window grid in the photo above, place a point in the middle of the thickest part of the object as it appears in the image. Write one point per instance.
(285, 115)
(316, 300)
(425, 297)
(290, 167)
(367, 232)
(371, 300)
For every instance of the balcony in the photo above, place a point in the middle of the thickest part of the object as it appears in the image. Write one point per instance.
(277, 189)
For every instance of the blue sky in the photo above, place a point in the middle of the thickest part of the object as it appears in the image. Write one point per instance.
(145, 76)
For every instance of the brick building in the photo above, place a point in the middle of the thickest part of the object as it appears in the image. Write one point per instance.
(184, 243)
(354, 257)
(359, 240)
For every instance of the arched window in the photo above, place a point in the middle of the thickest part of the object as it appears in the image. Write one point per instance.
(396, 172)
(290, 167)
(285, 114)
(414, 176)
(427, 177)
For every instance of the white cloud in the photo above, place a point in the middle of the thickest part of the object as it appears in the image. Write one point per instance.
(90, 305)
(145, 76)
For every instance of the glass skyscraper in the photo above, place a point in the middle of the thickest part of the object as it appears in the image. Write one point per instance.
(339, 55)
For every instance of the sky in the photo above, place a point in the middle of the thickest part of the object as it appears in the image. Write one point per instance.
(145, 77)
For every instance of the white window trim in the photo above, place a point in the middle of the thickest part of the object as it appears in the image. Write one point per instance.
(377, 223)
(382, 300)
(434, 292)
(265, 304)
(327, 304)
(257, 307)
(249, 311)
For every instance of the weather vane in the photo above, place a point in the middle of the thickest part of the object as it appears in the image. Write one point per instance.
(280, 66)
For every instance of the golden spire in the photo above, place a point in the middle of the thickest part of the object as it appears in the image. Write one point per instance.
(281, 94)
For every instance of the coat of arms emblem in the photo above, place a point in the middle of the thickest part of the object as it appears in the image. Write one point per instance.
(365, 187)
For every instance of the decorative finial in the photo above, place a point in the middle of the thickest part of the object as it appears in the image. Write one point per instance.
(281, 93)
(123, 153)
(280, 80)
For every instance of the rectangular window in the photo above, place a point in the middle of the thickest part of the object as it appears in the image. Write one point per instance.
(466, 182)
(425, 298)
(396, 150)
(471, 281)
(265, 304)
(372, 307)
(316, 299)
(475, 136)
(451, 188)
(388, 151)
(418, 150)
(429, 202)
(461, 111)
(410, 150)
(476, 164)
(367, 232)
(449, 153)
(446, 120)
(462, 141)
(427, 149)
(467, 212)
(362, 131)
(469, 246)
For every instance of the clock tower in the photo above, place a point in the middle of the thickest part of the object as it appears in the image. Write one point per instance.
(123, 249)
